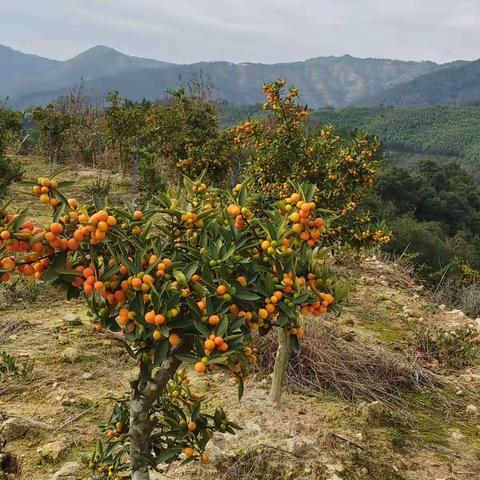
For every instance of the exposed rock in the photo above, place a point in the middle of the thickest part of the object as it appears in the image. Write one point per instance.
(72, 320)
(374, 412)
(71, 355)
(87, 376)
(69, 471)
(456, 435)
(299, 445)
(214, 450)
(471, 410)
(53, 451)
(14, 428)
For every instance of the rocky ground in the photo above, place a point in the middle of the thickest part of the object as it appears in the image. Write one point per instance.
(49, 417)
(388, 397)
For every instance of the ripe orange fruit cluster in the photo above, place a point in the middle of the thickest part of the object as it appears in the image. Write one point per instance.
(191, 219)
(317, 308)
(125, 316)
(155, 318)
(305, 225)
(96, 226)
(241, 215)
(44, 189)
(215, 342)
(162, 266)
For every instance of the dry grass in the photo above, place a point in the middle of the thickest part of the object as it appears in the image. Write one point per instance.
(464, 297)
(330, 361)
(333, 362)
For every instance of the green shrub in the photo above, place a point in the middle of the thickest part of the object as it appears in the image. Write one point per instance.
(451, 348)
(100, 187)
(426, 241)
(9, 172)
(21, 291)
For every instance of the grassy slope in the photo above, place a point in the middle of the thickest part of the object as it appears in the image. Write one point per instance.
(305, 437)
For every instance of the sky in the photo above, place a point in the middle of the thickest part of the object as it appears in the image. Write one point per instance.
(187, 31)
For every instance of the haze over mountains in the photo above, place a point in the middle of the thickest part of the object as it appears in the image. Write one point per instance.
(335, 81)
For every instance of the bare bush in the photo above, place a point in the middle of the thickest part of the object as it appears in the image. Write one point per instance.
(329, 361)
(462, 297)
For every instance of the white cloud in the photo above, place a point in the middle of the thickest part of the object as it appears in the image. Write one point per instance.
(246, 30)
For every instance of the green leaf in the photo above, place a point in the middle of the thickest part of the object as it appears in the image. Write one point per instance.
(185, 358)
(190, 270)
(222, 327)
(58, 262)
(129, 265)
(217, 359)
(301, 299)
(161, 351)
(59, 212)
(192, 305)
(180, 322)
(201, 328)
(246, 295)
(97, 201)
(180, 277)
(242, 196)
(294, 345)
(167, 456)
(67, 271)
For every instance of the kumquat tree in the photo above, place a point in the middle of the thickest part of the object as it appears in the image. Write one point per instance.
(186, 278)
(283, 146)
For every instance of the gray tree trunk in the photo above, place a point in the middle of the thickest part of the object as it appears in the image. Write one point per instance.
(143, 395)
(280, 366)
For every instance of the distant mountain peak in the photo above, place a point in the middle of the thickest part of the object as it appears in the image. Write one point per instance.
(96, 51)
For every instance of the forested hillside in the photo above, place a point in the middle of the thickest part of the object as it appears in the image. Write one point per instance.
(456, 84)
(412, 134)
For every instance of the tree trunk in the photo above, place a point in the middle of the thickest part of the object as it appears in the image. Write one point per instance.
(143, 395)
(280, 366)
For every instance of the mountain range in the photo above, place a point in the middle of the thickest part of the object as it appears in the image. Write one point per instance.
(323, 81)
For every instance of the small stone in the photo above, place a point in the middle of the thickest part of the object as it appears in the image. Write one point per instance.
(87, 376)
(299, 446)
(456, 435)
(471, 410)
(14, 428)
(72, 320)
(214, 450)
(459, 393)
(335, 467)
(69, 471)
(71, 355)
(373, 411)
(53, 451)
